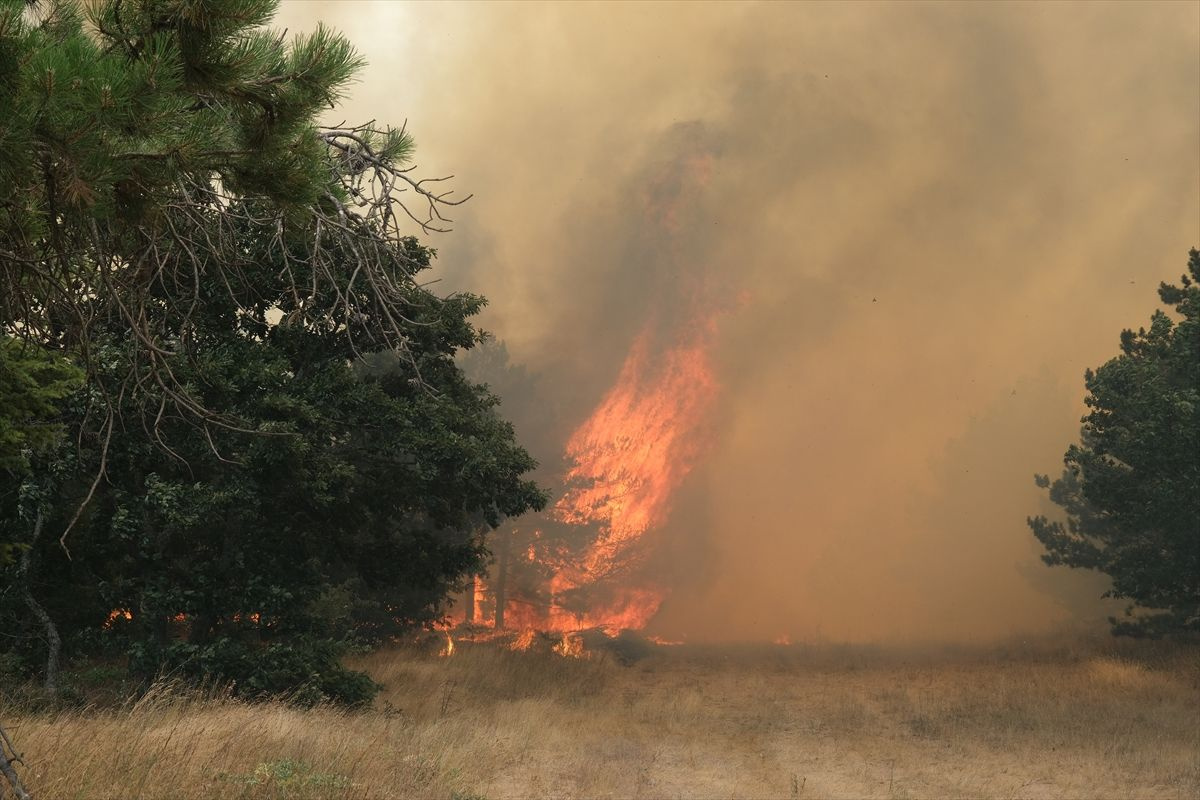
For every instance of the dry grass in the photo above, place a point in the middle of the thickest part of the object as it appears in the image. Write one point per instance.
(1107, 719)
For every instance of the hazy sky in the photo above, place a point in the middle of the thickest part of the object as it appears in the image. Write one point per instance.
(914, 227)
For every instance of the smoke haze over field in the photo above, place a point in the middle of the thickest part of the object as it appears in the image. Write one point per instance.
(912, 228)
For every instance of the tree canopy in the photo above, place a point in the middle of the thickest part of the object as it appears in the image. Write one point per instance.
(230, 402)
(140, 139)
(1131, 487)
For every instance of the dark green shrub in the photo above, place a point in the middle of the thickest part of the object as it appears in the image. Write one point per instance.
(306, 671)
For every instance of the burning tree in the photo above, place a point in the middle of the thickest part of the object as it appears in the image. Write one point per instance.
(615, 473)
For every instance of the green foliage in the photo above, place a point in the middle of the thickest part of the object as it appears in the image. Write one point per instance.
(291, 778)
(33, 384)
(12, 669)
(351, 505)
(142, 140)
(306, 670)
(160, 89)
(1131, 487)
(274, 452)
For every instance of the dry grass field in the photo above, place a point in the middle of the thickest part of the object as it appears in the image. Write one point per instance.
(1102, 719)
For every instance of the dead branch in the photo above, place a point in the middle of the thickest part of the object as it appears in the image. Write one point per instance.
(96, 288)
(6, 765)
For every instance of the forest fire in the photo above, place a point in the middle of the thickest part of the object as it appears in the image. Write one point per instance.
(636, 448)
(524, 641)
(626, 460)
(577, 568)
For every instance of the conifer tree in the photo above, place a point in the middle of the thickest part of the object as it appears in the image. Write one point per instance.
(1131, 487)
(247, 489)
(138, 137)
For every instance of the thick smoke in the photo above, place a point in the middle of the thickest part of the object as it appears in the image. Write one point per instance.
(914, 225)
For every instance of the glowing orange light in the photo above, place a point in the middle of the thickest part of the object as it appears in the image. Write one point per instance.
(628, 458)
(523, 642)
(571, 646)
(665, 642)
(116, 614)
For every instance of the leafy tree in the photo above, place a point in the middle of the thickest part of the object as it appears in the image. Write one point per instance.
(33, 384)
(350, 507)
(274, 451)
(1131, 487)
(138, 138)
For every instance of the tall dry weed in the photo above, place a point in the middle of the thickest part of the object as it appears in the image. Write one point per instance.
(1028, 720)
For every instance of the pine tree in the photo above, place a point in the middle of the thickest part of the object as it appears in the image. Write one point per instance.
(138, 137)
(272, 442)
(1131, 488)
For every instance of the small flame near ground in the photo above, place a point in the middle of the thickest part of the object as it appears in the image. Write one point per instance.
(571, 646)
(568, 645)
(662, 642)
(523, 642)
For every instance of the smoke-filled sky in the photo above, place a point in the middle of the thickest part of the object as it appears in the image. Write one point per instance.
(911, 227)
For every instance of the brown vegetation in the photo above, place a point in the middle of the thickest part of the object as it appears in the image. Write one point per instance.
(1096, 719)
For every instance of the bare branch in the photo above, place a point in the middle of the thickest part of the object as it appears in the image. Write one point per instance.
(6, 765)
(140, 291)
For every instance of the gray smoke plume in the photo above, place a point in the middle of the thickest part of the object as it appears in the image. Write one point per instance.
(914, 226)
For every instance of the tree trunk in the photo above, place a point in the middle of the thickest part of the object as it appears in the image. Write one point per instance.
(469, 601)
(6, 766)
(501, 578)
(53, 641)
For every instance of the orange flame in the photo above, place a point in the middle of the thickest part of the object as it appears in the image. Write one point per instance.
(523, 642)
(629, 457)
(638, 445)
(448, 649)
(571, 646)
(643, 438)
(116, 614)
(635, 449)
(661, 642)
